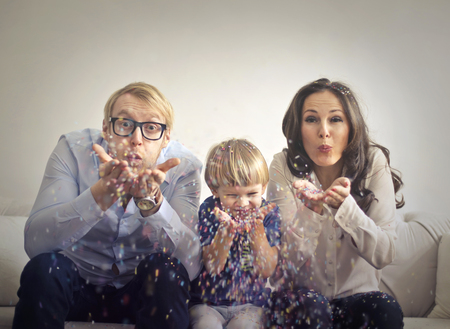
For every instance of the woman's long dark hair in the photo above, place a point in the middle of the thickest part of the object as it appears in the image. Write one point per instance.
(355, 155)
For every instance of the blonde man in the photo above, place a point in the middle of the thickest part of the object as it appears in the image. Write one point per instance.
(111, 236)
(240, 233)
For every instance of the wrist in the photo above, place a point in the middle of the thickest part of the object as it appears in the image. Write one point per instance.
(102, 196)
(316, 207)
(149, 205)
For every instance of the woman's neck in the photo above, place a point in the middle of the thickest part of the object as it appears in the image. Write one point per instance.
(327, 175)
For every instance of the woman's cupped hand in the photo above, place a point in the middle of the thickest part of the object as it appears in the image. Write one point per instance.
(315, 198)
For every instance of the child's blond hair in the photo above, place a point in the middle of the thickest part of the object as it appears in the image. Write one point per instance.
(235, 162)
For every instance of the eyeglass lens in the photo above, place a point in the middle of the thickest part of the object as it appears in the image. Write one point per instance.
(125, 127)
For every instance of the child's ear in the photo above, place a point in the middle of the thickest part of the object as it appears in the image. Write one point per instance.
(263, 190)
(214, 192)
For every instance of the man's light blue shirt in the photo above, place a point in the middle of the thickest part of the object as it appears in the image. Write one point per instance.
(65, 217)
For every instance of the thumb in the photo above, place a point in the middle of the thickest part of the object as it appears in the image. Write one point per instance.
(343, 181)
(101, 153)
(267, 208)
(299, 183)
(169, 164)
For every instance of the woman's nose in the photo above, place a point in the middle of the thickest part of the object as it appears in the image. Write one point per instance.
(324, 132)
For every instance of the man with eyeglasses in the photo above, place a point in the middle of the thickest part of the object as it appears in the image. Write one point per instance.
(112, 234)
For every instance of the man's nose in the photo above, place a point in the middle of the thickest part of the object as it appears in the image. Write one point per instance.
(136, 137)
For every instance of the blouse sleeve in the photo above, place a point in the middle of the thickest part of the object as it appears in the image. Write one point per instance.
(300, 226)
(374, 232)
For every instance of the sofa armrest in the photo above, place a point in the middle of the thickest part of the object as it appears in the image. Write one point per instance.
(12, 257)
(411, 278)
(442, 308)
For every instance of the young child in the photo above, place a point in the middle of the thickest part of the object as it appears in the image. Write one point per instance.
(240, 234)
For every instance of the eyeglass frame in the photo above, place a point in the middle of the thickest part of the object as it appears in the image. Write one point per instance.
(137, 124)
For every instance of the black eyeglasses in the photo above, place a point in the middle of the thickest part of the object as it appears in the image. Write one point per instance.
(126, 127)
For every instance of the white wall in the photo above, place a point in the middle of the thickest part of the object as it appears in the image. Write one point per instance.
(230, 69)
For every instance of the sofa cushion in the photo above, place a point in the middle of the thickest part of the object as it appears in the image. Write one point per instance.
(442, 308)
(411, 277)
(97, 325)
(12, 207)
(12, 257)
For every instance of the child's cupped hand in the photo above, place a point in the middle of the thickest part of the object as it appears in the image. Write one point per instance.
(263, 211)
(225, 220)
(246, 219)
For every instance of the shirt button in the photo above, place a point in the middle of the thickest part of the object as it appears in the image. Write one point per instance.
(317, 231)
(331, 237)
(329, 284)
(330, 262)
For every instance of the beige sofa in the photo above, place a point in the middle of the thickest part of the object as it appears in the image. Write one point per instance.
(419, 278)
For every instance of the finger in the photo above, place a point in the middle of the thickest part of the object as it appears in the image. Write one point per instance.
(219, 213)
(343, 192)
(225, 209)
(117, 168)
(169, 164)
(141, 184)
(156, 176)
(308, 186)
(106, 168)
(270, 206)
(127, 186)
(333, 199)
(302, 183)
(151, 183)
(312, 195)
(101, 153)
(267, 208)
(126, 178)
(343, 181)
(308, 190)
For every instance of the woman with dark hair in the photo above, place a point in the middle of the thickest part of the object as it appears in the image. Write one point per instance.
(337, 196)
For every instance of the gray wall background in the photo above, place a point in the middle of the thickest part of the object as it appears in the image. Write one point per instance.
(230, 69)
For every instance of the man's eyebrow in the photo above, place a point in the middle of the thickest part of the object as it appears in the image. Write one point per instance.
(122, 112)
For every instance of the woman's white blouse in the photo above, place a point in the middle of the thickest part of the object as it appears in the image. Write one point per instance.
(317, 250)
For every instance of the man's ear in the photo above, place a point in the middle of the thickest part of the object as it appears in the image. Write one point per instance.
(166, 138)
(104, 129)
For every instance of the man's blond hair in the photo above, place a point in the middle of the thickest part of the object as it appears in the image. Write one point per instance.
(146, 93)
(235, 162)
